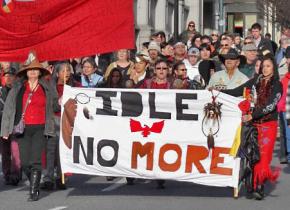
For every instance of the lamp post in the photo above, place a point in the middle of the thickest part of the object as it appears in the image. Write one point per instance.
(176, 14)
(221, 21)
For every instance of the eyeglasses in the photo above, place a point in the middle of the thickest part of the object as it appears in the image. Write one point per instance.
(182, 69)
(191, 25)
(224, 45)
(163, 68)
(214, 35)
(87, 67)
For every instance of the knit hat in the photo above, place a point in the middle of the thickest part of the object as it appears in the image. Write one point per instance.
(250, 47)
(193, 51)
(178, 43)
(154, 46)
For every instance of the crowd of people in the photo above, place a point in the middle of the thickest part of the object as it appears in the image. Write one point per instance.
(31, 94)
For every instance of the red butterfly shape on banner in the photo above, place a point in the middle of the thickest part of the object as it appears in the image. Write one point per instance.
(156, 127)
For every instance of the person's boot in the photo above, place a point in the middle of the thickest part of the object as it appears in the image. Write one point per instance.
(27, 174)
(14, 179)
(249, 187)
(160, 184)
(110, 178)
(259, 192)
(47, 185)
(130, 181)
(34, 185)
(60, 185)
(249, 194)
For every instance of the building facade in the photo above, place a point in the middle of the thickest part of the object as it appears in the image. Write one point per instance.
(158, 15)
(237, 16)
(234, 16)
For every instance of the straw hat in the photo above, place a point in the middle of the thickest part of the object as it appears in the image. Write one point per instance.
(32, 62)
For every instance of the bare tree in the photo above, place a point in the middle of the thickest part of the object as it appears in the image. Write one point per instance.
(277, 10)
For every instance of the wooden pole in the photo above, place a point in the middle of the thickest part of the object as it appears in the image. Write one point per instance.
(236, 192)
(62, 179)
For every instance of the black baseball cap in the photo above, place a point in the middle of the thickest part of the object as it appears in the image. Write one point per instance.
(11, 71)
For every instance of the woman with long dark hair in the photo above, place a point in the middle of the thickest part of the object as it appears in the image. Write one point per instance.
(61, 76)
(266, 90)
(115, 79)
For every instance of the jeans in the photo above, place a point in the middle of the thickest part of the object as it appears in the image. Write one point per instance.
(284, 137)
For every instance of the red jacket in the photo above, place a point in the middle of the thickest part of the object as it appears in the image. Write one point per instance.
(281, 106)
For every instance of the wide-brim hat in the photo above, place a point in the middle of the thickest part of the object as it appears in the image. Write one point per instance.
(32, 63)
(142, 56)
(232, 54)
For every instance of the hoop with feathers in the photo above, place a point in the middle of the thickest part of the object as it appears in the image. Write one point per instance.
(212, 112)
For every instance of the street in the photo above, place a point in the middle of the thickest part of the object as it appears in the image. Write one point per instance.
(90, 193)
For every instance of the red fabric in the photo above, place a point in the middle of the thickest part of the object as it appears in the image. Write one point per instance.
(245, 106)
(2, 81)
(35, 112)
(151, 84)
(267, 133)
(59, 30)
(155, 85)
(281, 106)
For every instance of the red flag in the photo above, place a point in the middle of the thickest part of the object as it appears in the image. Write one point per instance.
(62, 29)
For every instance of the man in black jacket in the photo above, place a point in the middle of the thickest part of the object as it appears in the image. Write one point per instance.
(9, 147)
(261, 43)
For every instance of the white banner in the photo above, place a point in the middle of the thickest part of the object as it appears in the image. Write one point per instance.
(150, 134)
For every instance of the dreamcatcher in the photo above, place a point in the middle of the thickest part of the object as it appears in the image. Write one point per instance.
(212, 116)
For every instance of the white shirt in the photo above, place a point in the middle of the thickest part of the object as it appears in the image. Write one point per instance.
(192, 70)
(220, 80)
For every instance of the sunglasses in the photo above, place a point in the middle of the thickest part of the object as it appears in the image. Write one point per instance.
(191, 25)
(248, 42)
(214, 35)
(163, 68)
(224, 45)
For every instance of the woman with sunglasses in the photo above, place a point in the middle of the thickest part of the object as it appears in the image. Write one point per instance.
(160, 80)
(183, 37)
(215, 42)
